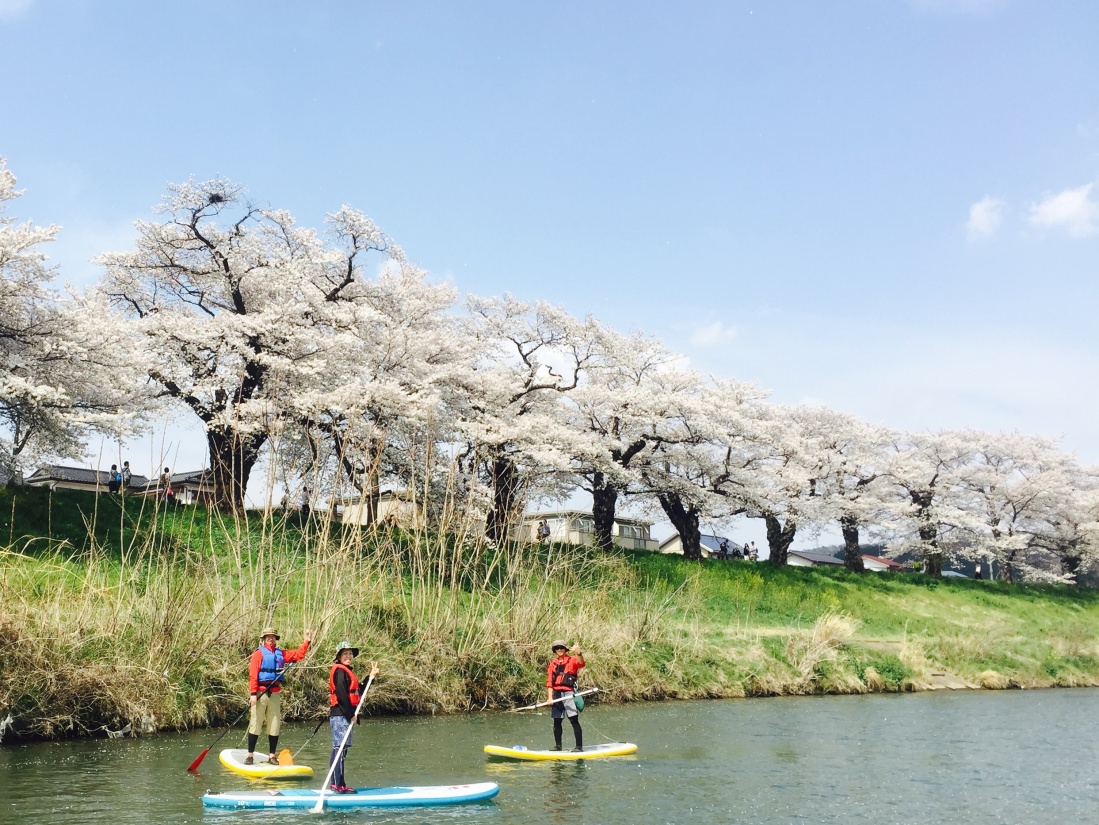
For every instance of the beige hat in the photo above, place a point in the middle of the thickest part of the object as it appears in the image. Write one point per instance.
(269, 631)
(559, 643)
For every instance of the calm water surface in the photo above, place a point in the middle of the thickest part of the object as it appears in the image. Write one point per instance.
(973, 757)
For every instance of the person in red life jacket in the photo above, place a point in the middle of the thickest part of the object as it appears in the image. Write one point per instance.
(343, 694)
(265, 681)
(561, 684)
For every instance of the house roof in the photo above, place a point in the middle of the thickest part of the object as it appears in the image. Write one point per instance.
(883, 560)
(193, 477)
(78, 475)
(713, 543)
(198, 478)
(816, 558)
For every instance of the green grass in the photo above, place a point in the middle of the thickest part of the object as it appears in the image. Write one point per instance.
(149, 616)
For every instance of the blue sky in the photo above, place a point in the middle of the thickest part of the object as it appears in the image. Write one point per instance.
(889, 207)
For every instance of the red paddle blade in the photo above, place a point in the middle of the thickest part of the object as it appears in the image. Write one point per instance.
(197, 762)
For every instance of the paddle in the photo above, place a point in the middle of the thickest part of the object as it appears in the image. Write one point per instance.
(309, 739)
(194, 765)
(555, 701)
(347, 734)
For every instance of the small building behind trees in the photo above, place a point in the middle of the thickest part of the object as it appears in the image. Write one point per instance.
(392, 508)
(578, 527)
(713, 547)
(810, 558)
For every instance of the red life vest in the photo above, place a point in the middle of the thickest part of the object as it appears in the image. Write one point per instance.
(352, 689)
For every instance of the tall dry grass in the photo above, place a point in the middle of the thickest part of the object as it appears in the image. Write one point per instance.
(158, 633)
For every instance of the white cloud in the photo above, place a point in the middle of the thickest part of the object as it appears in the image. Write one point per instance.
(1073, 209)
(985, 217)
(713, 335)
(14, 9)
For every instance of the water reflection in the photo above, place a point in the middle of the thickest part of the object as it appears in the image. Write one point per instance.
(566, 791)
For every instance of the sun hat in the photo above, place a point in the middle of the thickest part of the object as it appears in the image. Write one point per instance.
(345, 645)
(559, 643)
(269, 631)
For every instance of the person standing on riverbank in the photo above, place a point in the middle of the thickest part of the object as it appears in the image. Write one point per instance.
(265, 681)
(344, 696)
(561, 684)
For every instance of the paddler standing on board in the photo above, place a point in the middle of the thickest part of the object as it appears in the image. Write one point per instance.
(343, 689)
(561, 684)
(265, 680)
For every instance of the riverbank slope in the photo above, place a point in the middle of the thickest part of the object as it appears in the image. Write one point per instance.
(116, 613)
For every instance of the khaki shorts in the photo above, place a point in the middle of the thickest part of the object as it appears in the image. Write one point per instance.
(266, 715)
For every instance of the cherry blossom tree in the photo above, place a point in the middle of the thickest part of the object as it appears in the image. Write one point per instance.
(509, 410)
(848, 476)
(706, 463)
(929, 509)
(1031, 504)
(391, 367)
(621, 410)
(790, 450)
(64, 356)
(237, 307)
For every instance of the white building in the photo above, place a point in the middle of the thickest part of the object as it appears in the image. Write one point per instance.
(578, 527)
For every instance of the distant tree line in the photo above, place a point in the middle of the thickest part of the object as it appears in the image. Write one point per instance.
(330, 356)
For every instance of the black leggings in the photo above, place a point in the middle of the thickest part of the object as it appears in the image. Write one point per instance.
(576, 732)
(272, 742)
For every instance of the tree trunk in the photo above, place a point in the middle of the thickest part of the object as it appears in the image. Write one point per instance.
(929, 533)
(852, 553)
(933, 556)
(363, 474)
(505, 498)
(1070, 559)
(779, 538)
(604, 497)
(232, 457)
(684, 518)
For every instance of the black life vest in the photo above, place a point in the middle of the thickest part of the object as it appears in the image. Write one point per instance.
(560, 679)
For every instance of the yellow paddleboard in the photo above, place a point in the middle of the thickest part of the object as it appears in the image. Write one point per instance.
(233, 759)
(589, 752)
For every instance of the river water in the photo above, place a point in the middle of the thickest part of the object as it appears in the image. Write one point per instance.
(969, 757)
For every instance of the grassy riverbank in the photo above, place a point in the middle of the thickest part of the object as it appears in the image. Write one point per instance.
(113, 615)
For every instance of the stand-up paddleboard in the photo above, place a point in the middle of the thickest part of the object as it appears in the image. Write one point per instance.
(589, 752)
(233, 759)
(395, 797)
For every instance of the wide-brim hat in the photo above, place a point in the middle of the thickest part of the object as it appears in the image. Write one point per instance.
(269, 631)
(559, 643)
(345, 645)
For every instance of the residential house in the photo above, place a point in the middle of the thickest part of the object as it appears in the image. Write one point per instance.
(396, 507)
(191, 487)
(578, 527)
(880, 564)
(810, 558)
(60, 477)
(715, 547)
